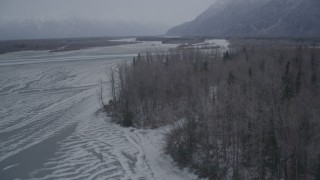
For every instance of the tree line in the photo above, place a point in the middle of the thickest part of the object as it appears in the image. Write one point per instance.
(253, 113)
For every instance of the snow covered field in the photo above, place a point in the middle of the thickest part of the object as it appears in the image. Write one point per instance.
(52, 127)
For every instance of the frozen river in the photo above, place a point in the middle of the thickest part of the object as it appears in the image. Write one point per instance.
(52, 127)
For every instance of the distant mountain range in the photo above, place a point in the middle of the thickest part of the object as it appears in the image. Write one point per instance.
(40, 29)
(255, 18)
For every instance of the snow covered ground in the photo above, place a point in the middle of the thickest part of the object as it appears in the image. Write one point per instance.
(52, 127)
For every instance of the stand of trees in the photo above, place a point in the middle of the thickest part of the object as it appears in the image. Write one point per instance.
(250, 114)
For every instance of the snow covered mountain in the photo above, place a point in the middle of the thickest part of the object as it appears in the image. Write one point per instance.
(43, 29)
(250, 18)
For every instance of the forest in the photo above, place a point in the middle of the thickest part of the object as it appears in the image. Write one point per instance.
(251, 113)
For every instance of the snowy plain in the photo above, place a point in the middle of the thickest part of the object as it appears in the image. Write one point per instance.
(52, 125)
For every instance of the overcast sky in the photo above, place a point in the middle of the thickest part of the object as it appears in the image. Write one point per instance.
(168, 12)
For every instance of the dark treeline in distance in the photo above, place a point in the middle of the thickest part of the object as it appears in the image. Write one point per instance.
(54, 45)
(252, 114)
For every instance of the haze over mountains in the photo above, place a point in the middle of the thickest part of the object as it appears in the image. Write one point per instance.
(34, 19)
(69, 28)
(253, 18)
(225, 18)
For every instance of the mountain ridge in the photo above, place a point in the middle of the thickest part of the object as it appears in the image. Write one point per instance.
(255, 18)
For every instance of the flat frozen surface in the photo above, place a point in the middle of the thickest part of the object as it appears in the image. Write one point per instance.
(51, 125)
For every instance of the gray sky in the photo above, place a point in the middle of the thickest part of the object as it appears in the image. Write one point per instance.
(168, 12)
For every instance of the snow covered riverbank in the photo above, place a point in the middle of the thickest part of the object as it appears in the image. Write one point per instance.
(52, 126)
